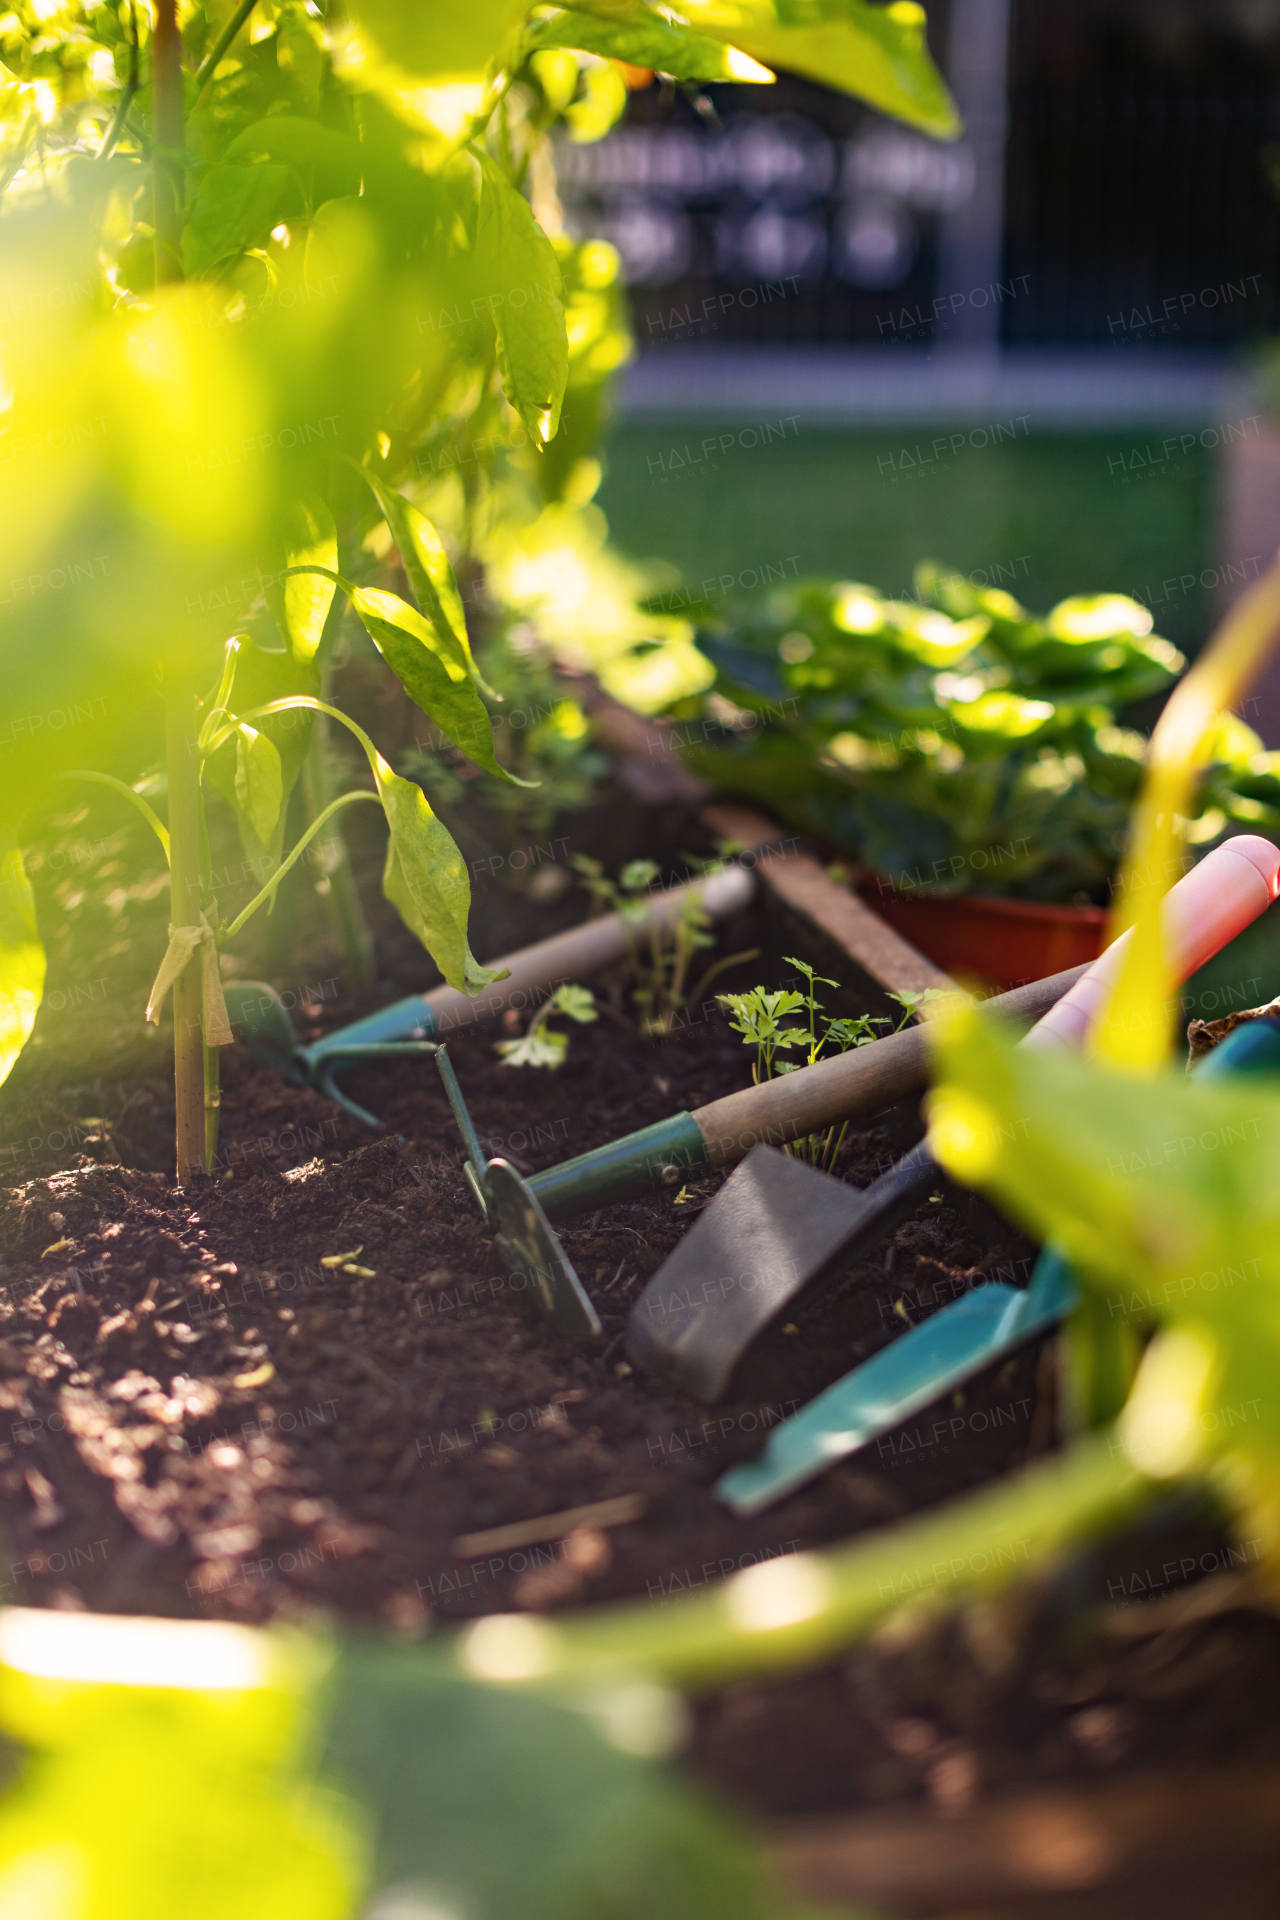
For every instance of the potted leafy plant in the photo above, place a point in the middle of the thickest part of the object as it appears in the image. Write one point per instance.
(964, 751)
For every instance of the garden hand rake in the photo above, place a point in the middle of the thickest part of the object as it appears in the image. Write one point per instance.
(686, 1144)
(418, 1023)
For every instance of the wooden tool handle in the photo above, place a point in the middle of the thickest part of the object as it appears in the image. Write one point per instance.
(864, 1080)
(581, 951)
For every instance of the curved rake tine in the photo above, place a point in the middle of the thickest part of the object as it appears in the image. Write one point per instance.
(326, 1084)
(477, 1163)
(323, 1057)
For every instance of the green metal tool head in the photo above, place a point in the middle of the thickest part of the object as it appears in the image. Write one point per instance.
(526, 1244)
(532, 1254)
(260, 1022)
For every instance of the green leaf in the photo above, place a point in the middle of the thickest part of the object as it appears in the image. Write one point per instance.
(632, 32)
(429, 572)
(236, 207)
(540, 1047)
(522, 1807)
(579, 1003)
(1161, 1192)
(519, 275)
(225, 1816)
(426, 881)
(325, 165)
(22, 960)
(877, 53)
(435, 38)
(430, 667)
(259, 678)
(259, 786)
(301, 601)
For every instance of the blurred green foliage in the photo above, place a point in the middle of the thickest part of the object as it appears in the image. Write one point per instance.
(1037, 514)
(386, 366)
(175, 1767)
(956, 741)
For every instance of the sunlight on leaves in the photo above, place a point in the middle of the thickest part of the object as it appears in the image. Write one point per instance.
(22, 960)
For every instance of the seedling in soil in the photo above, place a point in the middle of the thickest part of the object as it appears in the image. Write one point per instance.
(543, 1046)
(660, 953)
(758, 1015)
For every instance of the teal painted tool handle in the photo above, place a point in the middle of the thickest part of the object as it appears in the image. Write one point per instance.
(665, 1154)
(901, 1380)
(948, 1348)
(408, 1019)
(1251, 1048)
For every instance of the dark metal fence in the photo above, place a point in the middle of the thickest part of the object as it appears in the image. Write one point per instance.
(1138, 207)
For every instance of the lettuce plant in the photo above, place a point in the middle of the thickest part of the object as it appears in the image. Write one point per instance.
(276, 278)
(959, 742)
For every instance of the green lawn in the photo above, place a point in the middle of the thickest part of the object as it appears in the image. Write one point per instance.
(1044, 516)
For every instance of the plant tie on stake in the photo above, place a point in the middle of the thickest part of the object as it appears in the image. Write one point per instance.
(183, 942)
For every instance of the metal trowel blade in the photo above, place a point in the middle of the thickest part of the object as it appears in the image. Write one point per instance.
(260, 1020)
(918, 1368)
(775, 1228)
(533, 1256)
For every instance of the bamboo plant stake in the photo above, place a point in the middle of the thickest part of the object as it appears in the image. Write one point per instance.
(190, 1055)
(190, 1065)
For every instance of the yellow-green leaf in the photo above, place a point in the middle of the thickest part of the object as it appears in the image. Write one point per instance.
(259, 783)
(432, 39)
(261, 677)
(877, 53)
(429, 572)
(301, 601)
(22, 961)
(519, 278)
(426, 881)
(431, 668)
(633, 32)
(1162, 1192)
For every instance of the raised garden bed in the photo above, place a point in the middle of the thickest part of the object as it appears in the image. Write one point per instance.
(200, 1418)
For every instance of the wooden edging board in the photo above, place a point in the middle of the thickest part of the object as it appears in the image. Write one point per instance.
(650, 762)
(803, 884)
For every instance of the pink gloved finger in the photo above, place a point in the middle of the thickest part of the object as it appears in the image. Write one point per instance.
(1208, 907)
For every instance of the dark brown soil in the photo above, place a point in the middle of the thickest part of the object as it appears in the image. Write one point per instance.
(182, 1367)
(198, 1417)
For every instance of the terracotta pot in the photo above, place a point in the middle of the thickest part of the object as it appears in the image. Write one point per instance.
(1004, 941)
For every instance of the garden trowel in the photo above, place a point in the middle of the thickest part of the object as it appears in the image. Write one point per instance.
(949, 1348)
